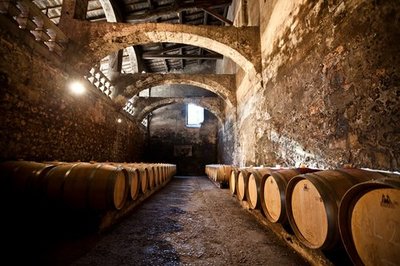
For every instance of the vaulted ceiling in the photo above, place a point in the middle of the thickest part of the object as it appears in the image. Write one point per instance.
(156, 57)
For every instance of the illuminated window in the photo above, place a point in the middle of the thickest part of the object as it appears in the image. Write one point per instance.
(194, 115)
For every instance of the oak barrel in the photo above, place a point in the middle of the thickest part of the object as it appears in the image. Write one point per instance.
(144, 175)
(133, 179)
(134, 182)
(87, 186)
(144, 178)
(312, 202)
(253, 194)
(152, 176)
(242, 181)
(272, 192)
(233, 180)
(23, 179)
(369, 222)
(223, 173)
(218, 172)
(157, 175)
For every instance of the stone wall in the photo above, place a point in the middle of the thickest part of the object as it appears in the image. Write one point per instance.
(189, 148)
(41, 120)
(330, 86)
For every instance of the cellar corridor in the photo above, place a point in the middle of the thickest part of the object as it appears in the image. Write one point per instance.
(189, 222)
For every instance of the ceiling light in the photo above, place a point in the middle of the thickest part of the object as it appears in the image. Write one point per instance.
(77, 88)
(119, 120)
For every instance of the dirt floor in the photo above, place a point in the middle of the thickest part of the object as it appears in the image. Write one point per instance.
(190, 222)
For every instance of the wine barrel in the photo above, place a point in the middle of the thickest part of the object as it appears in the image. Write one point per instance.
(23, 179)
(312, 202)
(144, 180)
(151, 176)
(223, 174)
(87, 186)
(272, 192)
(157, 175)
(134, 182)
(218, 172)
(369, 221)
(242, 181)
(144, 175)
(233, 180)
(133, 179)
(253, 193)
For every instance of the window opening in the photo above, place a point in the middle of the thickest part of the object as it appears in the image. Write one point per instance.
(194, 115)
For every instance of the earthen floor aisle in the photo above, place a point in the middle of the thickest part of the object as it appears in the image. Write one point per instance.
(190, 222)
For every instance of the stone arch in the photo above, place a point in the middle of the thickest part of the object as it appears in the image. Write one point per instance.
(98, 39)
(222, 85)
(113, 14)
(211, 104)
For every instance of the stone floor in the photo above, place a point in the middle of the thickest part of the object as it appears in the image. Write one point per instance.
(190, 222)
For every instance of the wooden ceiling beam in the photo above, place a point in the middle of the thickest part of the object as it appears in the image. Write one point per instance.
(205, 22)
(151, 4)
(175, 8)
(166, 49)
(181, 21)
(186, 57)
(218, 16)
(165, 59)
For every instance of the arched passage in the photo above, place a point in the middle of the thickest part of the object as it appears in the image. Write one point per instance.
(222, 85)
(98, 39)
(147, 105)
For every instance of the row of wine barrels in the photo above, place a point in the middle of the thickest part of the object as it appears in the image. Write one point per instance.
(218, 172)
(363, 205)
(95, 186)
(76, 185)
(312, 202)
(369, 222)
(152, 175)
(22, 179)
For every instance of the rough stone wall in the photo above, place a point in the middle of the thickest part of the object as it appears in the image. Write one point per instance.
(330, 92)
(41, 120)
(170, 139)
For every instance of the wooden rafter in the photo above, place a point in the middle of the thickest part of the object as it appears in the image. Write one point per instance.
(166, 49)
(218, 16)
(150, 3)
(187, 57)
(176, 8)
(165, 59)
(181, 21)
